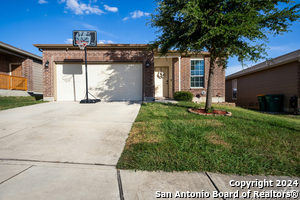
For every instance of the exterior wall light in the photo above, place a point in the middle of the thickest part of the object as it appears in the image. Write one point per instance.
(47, 64)
(147, 64)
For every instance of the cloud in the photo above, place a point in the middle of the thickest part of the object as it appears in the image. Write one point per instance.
(27, 10)
(89, 26)
(65, 11)
(112, 9)
(42, 2)
(281, 48)
(138, 14)
(105, 41)
(69, 41)
(82, 8)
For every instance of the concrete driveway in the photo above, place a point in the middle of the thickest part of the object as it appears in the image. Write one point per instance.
(63, 150)
(67, 132)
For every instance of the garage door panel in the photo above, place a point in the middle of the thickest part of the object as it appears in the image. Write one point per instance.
(107, 82)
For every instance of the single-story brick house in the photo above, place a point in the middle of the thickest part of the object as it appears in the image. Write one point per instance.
(280, 75)
(19, 71)
(124, 72)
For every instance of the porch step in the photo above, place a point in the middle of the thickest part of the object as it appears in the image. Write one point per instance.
(16, 93)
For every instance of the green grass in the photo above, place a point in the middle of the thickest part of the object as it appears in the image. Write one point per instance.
(13, 102)
(167, 137)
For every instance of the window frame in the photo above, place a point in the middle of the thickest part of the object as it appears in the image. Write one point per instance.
(197, 75)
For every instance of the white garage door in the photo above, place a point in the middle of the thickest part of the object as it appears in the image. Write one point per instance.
(106, 82)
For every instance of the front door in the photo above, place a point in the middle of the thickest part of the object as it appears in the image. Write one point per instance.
(161, 76)
(16, 70)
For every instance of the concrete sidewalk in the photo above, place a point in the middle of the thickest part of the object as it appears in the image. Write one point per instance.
(44, 180)
(154, 185)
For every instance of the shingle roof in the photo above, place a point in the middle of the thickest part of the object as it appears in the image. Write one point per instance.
(287, 58)
(9, 48)
(45, 46)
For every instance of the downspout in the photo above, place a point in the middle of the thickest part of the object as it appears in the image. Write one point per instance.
(179, 59)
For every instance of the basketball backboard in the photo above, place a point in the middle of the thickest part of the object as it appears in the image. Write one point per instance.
(90, 37)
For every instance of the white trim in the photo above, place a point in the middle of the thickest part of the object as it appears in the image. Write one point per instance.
(14, 64)
(197, 75)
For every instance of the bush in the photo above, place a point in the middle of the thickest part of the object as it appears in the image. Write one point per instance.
(196, 107)
(183, 96)
(210, 110)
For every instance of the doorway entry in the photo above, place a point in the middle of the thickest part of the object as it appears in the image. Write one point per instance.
(161, 79)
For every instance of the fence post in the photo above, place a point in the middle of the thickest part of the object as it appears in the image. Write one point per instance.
(9, 82)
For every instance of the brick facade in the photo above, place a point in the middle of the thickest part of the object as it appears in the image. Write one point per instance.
(185, 68)
(94, 55)
(6, 59)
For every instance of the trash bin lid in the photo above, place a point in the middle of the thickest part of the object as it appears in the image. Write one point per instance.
(274, 95)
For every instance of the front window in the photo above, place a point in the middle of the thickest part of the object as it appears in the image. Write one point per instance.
(197, 73)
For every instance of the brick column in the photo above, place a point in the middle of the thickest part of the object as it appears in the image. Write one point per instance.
(28, 73)
(175, 67)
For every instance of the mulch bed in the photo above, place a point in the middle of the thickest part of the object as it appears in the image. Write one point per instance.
(202, 111)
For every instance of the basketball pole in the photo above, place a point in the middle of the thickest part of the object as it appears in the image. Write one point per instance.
(86, 78)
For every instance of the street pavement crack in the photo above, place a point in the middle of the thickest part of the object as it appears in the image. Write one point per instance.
(57, 162)
(213, 184)
(16, 174)
(120, 185)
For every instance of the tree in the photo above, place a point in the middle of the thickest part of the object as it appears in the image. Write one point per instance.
(222, 27)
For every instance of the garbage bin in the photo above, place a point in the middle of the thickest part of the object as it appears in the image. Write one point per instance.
(274, 102)
(262, 102)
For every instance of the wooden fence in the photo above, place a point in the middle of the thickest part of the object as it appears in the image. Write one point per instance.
(13, 82)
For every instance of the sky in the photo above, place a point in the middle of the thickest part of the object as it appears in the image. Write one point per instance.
(27, 22)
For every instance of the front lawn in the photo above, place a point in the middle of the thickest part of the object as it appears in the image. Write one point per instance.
(13, 102)
(167, 137)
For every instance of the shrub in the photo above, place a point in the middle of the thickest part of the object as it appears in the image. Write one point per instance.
(183, 96)
(210, 110)
(196, 107)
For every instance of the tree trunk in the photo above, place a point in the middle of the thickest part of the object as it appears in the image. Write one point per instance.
(210, 84)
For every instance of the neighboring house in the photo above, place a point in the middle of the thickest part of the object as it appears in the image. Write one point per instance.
(280, 75)
(19, 71)
(125, 72)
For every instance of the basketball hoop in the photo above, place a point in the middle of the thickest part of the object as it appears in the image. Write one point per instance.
(82, 44)
(85, 39)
